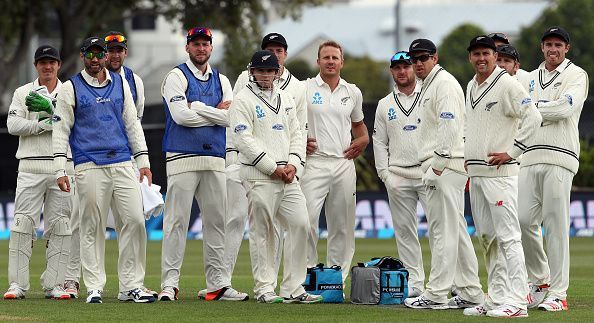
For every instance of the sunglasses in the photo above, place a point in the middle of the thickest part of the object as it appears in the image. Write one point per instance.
(115, 38)
(199, 31)
(91, 55)
(498, 35)
(422, 58)
(400, 56)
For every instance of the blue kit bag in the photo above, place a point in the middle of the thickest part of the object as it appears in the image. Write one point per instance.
(325, 281)
(393, 280)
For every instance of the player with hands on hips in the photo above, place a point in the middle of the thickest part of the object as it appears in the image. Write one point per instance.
(268, 136)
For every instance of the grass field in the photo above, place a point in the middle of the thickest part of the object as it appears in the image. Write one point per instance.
(189, 308)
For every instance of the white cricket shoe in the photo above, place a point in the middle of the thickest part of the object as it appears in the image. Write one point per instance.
(150, 291)
(478, 310)
(270, 298)
(202, 294)
(537, 294)
(71, 287)
(304, 298)
(57, 292)
(423, 302)
(458, 302)
(168, 293)
(14, 292)
(414, 292)
(226, 294)
(94, 296)
(507, 311)
(554, 304)
(136, 295)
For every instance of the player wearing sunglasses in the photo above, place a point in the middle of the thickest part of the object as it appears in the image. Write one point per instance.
(441, 155)
(95, 113)
(30, 118)
(395, 147)
(196, 98)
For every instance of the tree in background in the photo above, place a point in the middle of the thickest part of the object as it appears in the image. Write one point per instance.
(577, 17)
(71, 20)
(370, 76)
(300, 69)
(453, 55)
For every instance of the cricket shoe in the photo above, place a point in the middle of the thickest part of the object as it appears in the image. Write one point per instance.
(423, 302)
(479, 310)
(507, 311)
(14, 292)
(168, 294)
(226, 294)
(57, 292)
(202, 294)
(304, 298)
(136, 295)
(150, 291)
(414, 292)
(94, 296)
(270, 298)
(71, 287)
(554, 304)
(537, 294)
(458, 302)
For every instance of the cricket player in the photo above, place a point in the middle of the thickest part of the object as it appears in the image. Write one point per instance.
(334, 111)
(559, 89)
(508, 59)
(268, 136)
(102, 146)
(30, 118)
(500, 117)
(237, 208)
(441, 155)
(395, 147)
(196, 98)
(502, 39)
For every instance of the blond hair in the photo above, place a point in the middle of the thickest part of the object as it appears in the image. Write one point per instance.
(330, 43)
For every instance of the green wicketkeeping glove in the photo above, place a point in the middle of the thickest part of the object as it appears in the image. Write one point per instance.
(36, 102)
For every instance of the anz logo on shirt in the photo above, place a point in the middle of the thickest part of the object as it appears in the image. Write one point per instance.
(531, 87)
(317, 98)
(391, 114)
(259, 112)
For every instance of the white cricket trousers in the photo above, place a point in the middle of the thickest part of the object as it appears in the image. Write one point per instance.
(209, 189)
(331, 183)
(235, 222)
(453, 260)
(73, 266)
(33, 192)
(99, 190)
(270, 201)
(494, 210)
(544, 197)
(403, 194)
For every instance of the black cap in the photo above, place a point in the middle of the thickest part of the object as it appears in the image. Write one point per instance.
(508, 50)
(274, 38)
(93, 42)
(401, 57)
(482, 41)
(264, 59)
(422, 45)
(556, 31)
(499, 37)
(115, 39)
(47, 51)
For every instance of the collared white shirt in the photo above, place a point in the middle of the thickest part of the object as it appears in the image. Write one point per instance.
(139, 92)
(330, 115)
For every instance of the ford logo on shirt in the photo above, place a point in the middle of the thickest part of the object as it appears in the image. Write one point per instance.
(409, 127)
(278, 126)
(447, 115)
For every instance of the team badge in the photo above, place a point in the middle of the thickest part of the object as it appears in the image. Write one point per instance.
(317, 98)
(391, 114)
(344, 100)
(490, 105)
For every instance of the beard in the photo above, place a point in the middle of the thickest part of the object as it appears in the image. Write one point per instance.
(406, 83)
(93, 69)
(199, 61)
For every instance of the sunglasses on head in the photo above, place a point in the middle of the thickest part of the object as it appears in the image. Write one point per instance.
(91, 55)
(422, 58)
(497, 35)
(199, 31)
(400, 56)
(115, 38)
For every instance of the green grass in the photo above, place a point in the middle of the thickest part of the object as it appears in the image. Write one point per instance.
(189, 308)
